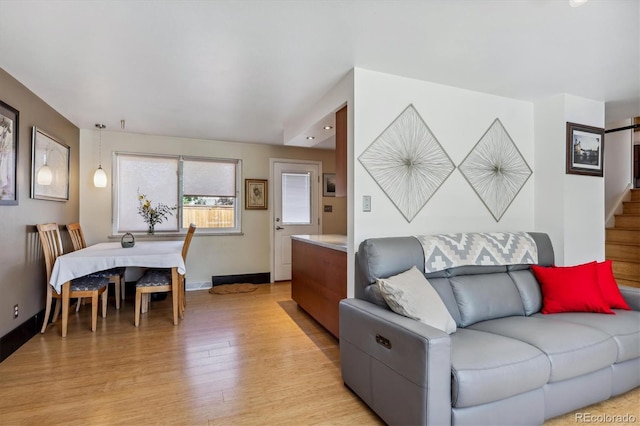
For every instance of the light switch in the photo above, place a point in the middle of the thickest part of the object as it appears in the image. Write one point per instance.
(366, 203)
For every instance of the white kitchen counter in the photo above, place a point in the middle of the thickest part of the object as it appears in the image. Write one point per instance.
(331, 241)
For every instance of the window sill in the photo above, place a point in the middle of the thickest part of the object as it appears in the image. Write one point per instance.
(142, 236)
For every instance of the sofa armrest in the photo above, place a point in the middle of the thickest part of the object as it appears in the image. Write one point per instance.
(631, 296)
(400, 367)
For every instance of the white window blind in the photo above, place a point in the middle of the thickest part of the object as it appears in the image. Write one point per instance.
(296, 198)
(206, 178)
(204, 190)
(155, 177)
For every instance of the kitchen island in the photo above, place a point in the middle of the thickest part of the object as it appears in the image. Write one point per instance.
(319, 276)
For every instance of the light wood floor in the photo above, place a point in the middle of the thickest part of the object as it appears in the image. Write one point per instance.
(249, 359)
(246, 359)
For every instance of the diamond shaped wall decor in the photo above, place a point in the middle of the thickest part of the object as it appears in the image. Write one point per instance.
(495, 169)
(407, 162)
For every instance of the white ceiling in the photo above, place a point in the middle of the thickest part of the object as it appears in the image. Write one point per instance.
(238, 70)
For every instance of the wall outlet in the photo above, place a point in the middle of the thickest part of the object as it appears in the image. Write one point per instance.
(15, 311)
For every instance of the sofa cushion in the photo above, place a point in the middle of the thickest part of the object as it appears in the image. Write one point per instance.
(609, 286)
(624, 327)
(487, 367)
(484, 297)
(411, 295)
(570, 289)
(529, 290)
(442, 286)
(573, 349)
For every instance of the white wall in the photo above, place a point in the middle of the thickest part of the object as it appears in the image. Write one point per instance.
(618, 155)
(458, 118)
(208, 255)
(569, 207)
(584, 195)
(549, 171)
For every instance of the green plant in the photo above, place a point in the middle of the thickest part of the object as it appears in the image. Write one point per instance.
(153, 215)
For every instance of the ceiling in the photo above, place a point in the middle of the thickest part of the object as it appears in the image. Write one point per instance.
(238, 70)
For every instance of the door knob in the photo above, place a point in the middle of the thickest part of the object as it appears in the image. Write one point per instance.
(279, 228)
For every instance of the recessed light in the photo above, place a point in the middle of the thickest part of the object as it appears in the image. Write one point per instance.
(577, 3)
(328, 127)
(311, 138)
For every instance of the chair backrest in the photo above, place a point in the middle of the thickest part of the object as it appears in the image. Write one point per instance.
(187, 241)
(77, 237)
(51, 244)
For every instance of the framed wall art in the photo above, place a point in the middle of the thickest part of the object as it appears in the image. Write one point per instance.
(328, 184)
(407, 162)
(495, 169)
(256, 194)
(8, 155)
(585, 150)
(49, 167)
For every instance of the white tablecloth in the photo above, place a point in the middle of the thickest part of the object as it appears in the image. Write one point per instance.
(149, 254)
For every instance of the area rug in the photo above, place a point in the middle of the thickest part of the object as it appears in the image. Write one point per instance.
(233, 288)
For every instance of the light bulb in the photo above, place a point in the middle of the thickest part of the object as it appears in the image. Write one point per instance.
(100, 178)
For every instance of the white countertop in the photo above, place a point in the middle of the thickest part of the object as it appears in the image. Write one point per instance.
(331, 241)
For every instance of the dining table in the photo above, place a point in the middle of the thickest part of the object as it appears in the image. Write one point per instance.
(102, 256)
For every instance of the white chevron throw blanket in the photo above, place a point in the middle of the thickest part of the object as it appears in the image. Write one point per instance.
(445, 251)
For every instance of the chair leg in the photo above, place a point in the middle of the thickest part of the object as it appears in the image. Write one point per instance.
(78, 304)
(181, 299)
(47, 312)
(105, 296)
(146, 302)
(116, 285)
(94, 311)
(137, 307)
(56, 311)
(122, 287)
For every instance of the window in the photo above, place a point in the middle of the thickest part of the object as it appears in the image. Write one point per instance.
(296, 198)
(204, 190)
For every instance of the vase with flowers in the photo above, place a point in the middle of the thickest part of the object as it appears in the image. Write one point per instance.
(152, 215)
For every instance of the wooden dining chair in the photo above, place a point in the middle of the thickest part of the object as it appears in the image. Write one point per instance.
(157, 280)
(115, 275)
(80, 287)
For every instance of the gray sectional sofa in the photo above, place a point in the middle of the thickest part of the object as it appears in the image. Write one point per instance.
(506, 364)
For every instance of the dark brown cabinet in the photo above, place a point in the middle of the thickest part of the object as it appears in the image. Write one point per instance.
(319, 282)
(341, 152)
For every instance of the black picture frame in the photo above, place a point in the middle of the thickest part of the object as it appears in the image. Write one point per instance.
(585, 150)
(9, 141)
(46, 150)
(328, 184)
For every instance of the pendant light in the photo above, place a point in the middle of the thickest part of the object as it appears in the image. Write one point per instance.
(100, 177)
(44, 175)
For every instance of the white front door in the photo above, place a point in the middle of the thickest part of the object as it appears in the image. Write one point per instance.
(296, 204)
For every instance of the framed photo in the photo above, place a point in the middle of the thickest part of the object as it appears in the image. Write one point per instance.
(328, 184)
(8, 155)
(585, 150)
(49, 167)
(256, 194)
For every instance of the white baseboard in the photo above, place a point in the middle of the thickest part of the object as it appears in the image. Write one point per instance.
(198, 285)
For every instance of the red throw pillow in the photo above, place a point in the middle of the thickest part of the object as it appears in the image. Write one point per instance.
(570, 289)
(609, 287)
